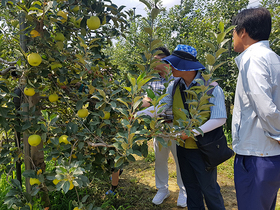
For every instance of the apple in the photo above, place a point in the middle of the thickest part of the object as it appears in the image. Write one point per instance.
(34, 59)
(82, 113)
(29, 91)
(53, 97)
(34, 140)
(93, 22)
(59, 37)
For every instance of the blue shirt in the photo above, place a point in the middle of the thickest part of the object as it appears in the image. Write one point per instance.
(256, 113)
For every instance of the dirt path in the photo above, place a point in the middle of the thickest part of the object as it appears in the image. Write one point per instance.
(141, 175)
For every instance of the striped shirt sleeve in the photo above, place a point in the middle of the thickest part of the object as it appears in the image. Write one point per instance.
(219, 108)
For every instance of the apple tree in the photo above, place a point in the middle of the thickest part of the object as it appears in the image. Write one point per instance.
(69, 107)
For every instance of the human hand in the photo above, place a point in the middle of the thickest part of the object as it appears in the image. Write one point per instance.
(146, 102)
(184, 136)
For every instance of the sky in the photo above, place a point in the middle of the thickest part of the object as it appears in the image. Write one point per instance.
(166, 3)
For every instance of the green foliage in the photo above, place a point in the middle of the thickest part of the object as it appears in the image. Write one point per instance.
(87, 71)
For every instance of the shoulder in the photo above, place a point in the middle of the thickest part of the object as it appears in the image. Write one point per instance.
(261, 52)
(218, 91)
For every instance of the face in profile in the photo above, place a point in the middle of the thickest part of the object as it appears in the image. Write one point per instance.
(237, 41)
(162, 67)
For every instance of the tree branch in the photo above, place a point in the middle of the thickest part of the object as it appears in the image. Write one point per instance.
(5, 71)
(99, 144)
(7, 62)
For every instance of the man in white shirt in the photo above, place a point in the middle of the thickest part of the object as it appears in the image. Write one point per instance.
(256, 114)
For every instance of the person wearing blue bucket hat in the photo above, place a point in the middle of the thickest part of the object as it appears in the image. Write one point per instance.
(183, 58)
(199, 183)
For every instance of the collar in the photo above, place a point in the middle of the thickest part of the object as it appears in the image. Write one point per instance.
(253, 47)
(197, 76)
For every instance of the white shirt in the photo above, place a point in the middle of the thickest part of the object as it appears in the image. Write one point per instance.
(256, 113)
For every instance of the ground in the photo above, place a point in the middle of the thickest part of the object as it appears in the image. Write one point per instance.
(137, 185)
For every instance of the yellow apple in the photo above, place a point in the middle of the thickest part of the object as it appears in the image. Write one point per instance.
(29, 91)
(93, 22)
(34, 59)
(82, 113)
(34, 140)
(59, 37)
(53, 97)
(63, 139)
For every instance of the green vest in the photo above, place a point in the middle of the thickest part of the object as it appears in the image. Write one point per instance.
(178, 114)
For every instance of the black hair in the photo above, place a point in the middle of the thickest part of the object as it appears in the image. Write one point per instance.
(256, 22)
(165, 51)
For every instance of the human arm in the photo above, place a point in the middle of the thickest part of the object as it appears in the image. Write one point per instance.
(165, 103)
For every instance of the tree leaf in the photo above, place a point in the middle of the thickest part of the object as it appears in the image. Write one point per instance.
(35, 190)
(223, 42)
(102, 93)
(131, 158)
(146, 3)
(150, 93)
(26, 125)
(154, 13)
(119, 161)
(221, 26)
(220, 51)
(143, 82)
(155, 43)
(210, 59)
(230, 28)
(148, 30)
(141, 67)
(221, 37)
(16, 183)
(220, 64)
(128, 89)
(121, 100)
(144, 149)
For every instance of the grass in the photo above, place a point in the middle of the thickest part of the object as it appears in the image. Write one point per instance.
(136, 188)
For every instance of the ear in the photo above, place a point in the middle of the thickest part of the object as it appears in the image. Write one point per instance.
(242, 33)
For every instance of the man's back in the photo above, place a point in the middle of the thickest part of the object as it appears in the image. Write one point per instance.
(257, 101)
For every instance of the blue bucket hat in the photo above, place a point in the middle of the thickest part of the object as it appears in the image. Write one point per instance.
(183, 58)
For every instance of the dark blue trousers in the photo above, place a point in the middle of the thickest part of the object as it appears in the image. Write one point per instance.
(199, 182)
(257, 180)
